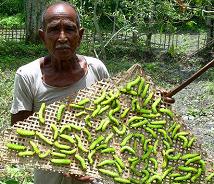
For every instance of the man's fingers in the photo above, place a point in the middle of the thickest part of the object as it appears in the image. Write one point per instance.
(79, 178)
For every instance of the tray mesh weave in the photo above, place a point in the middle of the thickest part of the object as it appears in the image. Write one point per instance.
(93, 92)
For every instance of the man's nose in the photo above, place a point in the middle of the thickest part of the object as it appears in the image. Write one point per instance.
(62, 36)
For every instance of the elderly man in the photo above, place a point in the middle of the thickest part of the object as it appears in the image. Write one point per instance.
(60, 74)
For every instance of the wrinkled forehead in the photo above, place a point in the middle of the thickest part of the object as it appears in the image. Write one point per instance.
(60, 11)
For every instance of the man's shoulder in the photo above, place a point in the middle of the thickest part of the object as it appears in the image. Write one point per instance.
(29, 68)
(94, 62)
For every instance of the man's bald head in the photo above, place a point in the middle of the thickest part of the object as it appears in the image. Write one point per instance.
(60, 5)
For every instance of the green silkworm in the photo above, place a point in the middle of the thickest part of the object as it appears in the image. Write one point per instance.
(140, 87)
(55, 131)
(148, 99)
(45, 139)
(96, 111)
(56, 154)
(180, 134)
(154, 177)
(101, 98)
(189, 155)
(87, 133)
(60, 112)
(183, 178)
(149, 151)
(160, 122)
(187, 169)
(41, 113)
(117, 109)
(119, 161)
(79, 144)
(91, 153)
(141, 136)
(167, 111)
(68, 138)
(145, 111)
(163, 132)
(133, 83)
(75, 106)
(155, 162)
(105, 124)
(135, 181)
(154, 135)
(154, 126)
(26, 153)
(82, 161)
(155, 147)
(76, 127)
(113, 119)
(133, 167)
(80, 113)
(101, 124)
(176, 157)
(210, 176)
(108, 150)
(166, 172)
(108, 138)
(190, 143)
(96, 142)
(108, 172)
(173, 175)
(83, 101)
(69, 152)
(166, 144)
(65, 127)
(134, 118)
(126, 139)
(203, 165)
(146, 143)
(105, 108)
(146, 177)
(133, 104)
(35, 147)
(138, 107)
(139, 124)
(61, 161)
(177, 127)
(125, 112)
(155, 104)
(120, 170)
(106, 162)
(135, 145)
(88, 120)
(172, 127)
(185, 140)
(61, 146)
(120, 132)
(194, 159)
(45, 154)
(121, 180)
(128, 148)
(132, 159)
(102, 146)
(24, 132)
(143, 94)
(165, 162)
(151, 115)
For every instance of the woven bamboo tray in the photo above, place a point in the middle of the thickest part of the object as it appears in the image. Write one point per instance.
(111, 86)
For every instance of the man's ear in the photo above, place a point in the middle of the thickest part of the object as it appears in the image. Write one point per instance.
(42, 35)
(81, 32)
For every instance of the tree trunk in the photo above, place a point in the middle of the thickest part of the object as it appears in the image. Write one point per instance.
(33, 9)
(97, 28)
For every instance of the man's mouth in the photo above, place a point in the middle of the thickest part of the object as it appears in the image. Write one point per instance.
(61, 47)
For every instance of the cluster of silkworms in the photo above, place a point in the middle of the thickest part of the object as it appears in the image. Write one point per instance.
(143, 129)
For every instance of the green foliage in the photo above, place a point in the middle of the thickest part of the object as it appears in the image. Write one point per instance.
(12, 21)
(11, 7)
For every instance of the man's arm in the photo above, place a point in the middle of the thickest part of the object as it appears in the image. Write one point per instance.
(20, 116)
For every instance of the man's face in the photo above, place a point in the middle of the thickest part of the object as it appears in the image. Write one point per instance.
(61, 34)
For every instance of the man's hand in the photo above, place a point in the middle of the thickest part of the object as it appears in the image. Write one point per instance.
(167, 99)
(79, 178)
